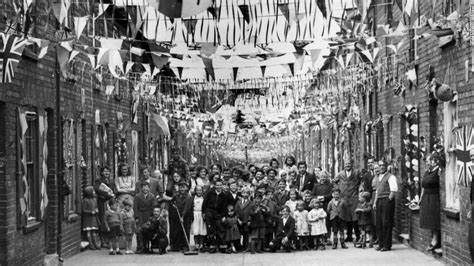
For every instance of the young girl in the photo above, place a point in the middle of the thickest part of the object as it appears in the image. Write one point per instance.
(364, 219)
(89, 214)
(302, 228)
(317, 221)
(232, 234)
(198, 227)
(257, 224)
(129, 225)
(292, 202)
(113, 224)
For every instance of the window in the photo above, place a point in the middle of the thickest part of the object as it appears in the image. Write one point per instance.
(32, 167)
(452, 188)
(71, 172)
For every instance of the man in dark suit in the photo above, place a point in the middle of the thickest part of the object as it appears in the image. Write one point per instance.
(143, 205)
(304, 181)
(349, 183)
(285, 231)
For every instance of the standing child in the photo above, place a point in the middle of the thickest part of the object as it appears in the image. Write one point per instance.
(364, 218)
(198, 226)
(129, 224)
(291, 203)
(336, 209)
(89, 214)
(302, 228)
(113, 224)
(243, 209)
(232, 234)
(257, 224)
(317, 221)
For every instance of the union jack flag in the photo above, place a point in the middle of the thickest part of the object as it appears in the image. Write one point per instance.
(464, 143)
(11, 49)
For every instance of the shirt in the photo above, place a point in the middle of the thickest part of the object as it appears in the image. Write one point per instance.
(392, 182)
(284, 220)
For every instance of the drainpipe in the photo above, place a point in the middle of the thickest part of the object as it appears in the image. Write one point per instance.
(59, 169)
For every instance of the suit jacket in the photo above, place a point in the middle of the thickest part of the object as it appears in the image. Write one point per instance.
(349, 185)
(281, 198)
(308, 183)
(232, 200)
(287, 229)
(143, 207)
(243, 210)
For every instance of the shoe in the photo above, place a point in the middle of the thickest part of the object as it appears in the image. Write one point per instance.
(371, 245)
(431, 247)
(322, 247)
(112, 253)
(329, 243)
(228, 251)
(234, 250)
(343, 244)
(378, 248)
(139, 252)
(118, 252)
(212, 251)
(358, 245)
(385, 249)
(334, 245)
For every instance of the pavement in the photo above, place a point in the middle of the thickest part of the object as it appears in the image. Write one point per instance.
(400, 255)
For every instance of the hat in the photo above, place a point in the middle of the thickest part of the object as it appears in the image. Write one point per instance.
(183, 183)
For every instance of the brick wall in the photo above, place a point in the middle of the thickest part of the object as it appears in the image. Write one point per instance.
(453, 231)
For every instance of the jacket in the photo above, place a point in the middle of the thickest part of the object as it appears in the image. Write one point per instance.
(287, 229)
(336, 210)
(143, 208)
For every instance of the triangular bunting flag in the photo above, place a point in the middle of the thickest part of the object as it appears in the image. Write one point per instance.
(73, 54)
(285, 11)
(129, 66)
(63, 58)
(11, 50)
(245, 12)
(79, 24)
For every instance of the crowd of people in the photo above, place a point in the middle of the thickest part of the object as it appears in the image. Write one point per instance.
(257, 209)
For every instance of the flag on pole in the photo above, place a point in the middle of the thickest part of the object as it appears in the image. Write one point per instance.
(11, 50)
(464, 143)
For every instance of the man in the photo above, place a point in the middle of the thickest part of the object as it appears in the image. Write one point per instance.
(471, 227)
(214, 208)
(143, 205)
(305, 180)
(349, 183)
(367, 175)
(384, 206)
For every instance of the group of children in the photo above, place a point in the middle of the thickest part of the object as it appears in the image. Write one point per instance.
(231, 216)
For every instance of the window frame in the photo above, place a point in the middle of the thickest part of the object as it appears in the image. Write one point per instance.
(32, 177)
(451, 120)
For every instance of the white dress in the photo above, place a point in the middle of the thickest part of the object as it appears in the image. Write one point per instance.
(198, 227)
(301, 218)
(317, 222)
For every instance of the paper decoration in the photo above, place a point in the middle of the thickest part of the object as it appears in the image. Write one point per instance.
(181, 8)
(464, 143)
(79, 24)
(10, 55)
(43, 130)
(63, 59)
(162, 122)
(24, 189)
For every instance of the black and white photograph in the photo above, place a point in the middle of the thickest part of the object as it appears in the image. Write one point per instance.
(236, 132)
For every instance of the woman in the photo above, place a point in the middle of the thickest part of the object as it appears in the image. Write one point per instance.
(274, 163)
(429, 203)
(104, 188)
(216, 168)
(201, 179)
(125, 184)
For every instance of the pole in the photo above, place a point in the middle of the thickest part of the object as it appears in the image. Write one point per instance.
(59, 168)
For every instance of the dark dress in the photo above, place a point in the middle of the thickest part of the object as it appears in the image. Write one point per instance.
(184, 203)
(429, 205)
(232, 229)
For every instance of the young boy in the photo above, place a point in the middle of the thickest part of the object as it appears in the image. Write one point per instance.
(156, 230)
(281, 195)
(257, 224)
(336, 208)
(243, 208)
(285, 231)
(143, 205)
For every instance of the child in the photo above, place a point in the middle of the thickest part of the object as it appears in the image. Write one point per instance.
(336, 209)
(285, 231)
(317, 221)
(257, 224)
(156, 230)
(129, 225)
(302, 229)
(322, 190)
(291, 203)
(271, 217)
(198, 226)
(307, 197)
(232, 234)
(113, 224)
(281, 196)
(364, 218)
(89, 214)
(243, 209)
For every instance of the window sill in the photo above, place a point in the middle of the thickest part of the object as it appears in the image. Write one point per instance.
(31, 227)
(73, 217)
(451, 213)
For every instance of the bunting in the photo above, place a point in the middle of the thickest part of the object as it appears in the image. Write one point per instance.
(43, 130)
(23, 188)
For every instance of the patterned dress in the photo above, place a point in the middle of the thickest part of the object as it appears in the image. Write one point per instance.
(317, 222)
